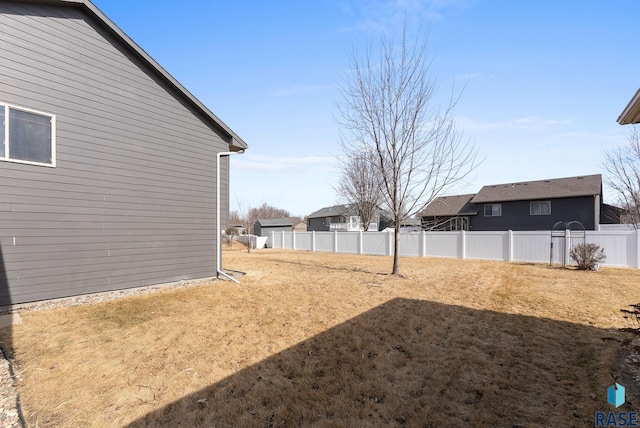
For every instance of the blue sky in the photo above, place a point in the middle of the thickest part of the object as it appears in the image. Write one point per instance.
(544, 81)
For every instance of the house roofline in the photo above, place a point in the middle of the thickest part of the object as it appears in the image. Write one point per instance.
(631, 113)
(482, 198)
(537, 198)
(340, 210)
(235, 142)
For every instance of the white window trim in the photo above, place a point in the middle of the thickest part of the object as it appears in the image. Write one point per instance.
(5, 158)
(491, 215)
(539, 202)
(459, 223)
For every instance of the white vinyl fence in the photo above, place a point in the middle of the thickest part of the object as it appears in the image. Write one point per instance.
(253, 240)
(622, 247)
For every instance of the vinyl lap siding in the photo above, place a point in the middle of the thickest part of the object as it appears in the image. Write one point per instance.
(132, 199)
(317, 224)
(516, 215)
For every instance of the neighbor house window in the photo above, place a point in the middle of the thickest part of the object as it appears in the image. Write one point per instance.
(27, 136)
(492, 210)
(459, 223)
(540, 208)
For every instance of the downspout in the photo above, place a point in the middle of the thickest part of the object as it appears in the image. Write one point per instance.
(596, 213)
(219, 239)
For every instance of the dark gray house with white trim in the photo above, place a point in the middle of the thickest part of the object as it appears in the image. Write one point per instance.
(108, 165)
(321, 220)
(343, 218)
(530, 205)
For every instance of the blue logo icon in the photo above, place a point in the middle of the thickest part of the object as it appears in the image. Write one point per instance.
(615, 395)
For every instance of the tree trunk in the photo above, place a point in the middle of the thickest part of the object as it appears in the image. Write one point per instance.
(396, 246)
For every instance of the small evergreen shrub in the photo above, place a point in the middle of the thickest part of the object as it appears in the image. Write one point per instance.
(587, 256)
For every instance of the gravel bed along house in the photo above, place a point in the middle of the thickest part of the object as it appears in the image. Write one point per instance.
(9, 415)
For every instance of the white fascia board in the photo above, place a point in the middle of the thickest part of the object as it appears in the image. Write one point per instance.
(631, 113)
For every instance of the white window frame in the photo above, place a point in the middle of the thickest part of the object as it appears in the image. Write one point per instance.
(5, 156)
(499, 214)
(459, 223)
(531, 204)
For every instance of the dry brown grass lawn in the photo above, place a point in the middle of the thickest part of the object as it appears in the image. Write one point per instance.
(331, 340)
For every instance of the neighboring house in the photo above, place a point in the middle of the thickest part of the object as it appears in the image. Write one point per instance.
(264, 226)
(631, 113)
(108, 165)
(239, 227)
(300, 226)
(337, 217)
(449, 213)
(407, 225)
(531, 205)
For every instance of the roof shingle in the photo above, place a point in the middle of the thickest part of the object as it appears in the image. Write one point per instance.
(273, 222)
(450, 206)
(333, 211)
(570, 187)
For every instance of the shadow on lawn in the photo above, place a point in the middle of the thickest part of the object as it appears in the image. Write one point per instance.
(6, 342)
(416, 363)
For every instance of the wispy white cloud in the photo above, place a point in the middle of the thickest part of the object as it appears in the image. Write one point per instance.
(379, 16)
(531, 123)
(300, 89)
(275, 164)
(474, 76)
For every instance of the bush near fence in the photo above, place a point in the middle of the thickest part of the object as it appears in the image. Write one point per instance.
(622, 247)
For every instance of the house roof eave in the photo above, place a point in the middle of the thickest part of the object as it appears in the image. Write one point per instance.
(235, 142)
(536, 198)
(631, 114)
(555, 188)
(332, 211)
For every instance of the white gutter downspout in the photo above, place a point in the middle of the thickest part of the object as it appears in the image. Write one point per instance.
(219, 246)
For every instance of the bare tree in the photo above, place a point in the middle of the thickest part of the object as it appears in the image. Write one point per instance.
(623, 176)
(267, 211)
(249, 216)
(389, 108)
(229, 234)
(242, 213)
(360, 183)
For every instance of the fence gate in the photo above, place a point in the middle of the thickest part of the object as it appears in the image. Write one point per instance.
(565, 236)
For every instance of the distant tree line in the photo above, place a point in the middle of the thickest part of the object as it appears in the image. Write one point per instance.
(248, 216)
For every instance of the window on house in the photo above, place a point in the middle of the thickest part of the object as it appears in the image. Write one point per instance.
(459, 223)
(492, 210)
(540, 208)
(27, 136)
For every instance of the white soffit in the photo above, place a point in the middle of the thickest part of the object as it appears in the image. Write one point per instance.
(631, 113)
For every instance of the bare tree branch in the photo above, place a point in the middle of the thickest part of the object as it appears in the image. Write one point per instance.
(623, 176)
(359, 184)
(388, 108)
(248, 217)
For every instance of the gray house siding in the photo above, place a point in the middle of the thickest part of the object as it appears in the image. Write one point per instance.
(131, 201)
(516, 215)
(266, 230)
(317, 224)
